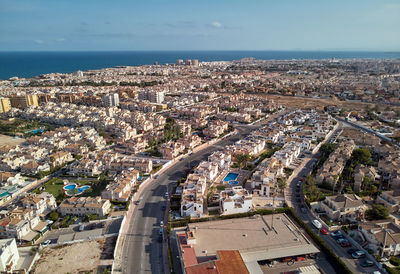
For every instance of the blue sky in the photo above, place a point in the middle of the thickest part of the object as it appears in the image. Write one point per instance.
(38, 25)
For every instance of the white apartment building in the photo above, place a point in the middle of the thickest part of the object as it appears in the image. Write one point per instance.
(9, 255)
(111, 100)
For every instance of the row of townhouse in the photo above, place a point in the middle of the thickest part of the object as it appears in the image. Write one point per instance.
(199, 111)
(81, 206)
(120, 122)
(115, 163)
(23, 222)
(52, 149)
(389, 166)
(215, 128)
(334, 165)
(251, 145)
(86, 167)
(171, 150)
(193, 193)
(360, 172)
(234, 117)
(264, 179)
(120, 189)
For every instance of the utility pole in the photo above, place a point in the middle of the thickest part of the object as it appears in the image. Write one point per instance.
(273, 210)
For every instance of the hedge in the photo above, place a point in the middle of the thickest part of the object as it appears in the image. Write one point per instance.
(337, 263)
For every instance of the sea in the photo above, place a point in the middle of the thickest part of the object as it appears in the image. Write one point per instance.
(29, 64)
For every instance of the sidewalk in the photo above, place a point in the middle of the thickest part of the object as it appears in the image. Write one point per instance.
(117, 264)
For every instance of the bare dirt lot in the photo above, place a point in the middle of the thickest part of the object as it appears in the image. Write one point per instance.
(76, 258)
(10, 141)
(300, 102)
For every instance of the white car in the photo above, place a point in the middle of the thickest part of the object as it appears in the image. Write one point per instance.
(161, 223)
(317, 224)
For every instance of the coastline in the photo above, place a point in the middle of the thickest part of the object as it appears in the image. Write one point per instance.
(24, 64)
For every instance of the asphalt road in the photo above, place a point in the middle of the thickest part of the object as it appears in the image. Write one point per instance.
(142, 252)
(296, 194)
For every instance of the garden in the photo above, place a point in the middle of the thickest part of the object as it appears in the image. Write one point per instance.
(88, 187)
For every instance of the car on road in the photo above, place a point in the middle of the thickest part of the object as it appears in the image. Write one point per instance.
(166, 194)
(316, 223)
(358, 254)
(303, 209)
(323, 231)
(160, 238)
(161, 223)
(337, 234)
(367, 263)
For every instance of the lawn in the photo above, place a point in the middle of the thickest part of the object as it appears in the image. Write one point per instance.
(19, 127)
(55, 187)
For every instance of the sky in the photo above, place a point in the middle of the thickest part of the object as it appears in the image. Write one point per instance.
(96, 25)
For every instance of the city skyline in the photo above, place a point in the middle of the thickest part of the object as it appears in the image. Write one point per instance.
(191, 25)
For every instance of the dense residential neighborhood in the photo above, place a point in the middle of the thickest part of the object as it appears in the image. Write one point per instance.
(209, 163)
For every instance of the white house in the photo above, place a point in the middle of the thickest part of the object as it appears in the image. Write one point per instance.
(9, 255)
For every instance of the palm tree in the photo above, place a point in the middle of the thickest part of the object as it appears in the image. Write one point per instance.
(242, 158)
(281, 183)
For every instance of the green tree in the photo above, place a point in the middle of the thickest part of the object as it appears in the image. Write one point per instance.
(242, 158)
(377, 212)
(54, 216)
(281, 184)
(361, 155)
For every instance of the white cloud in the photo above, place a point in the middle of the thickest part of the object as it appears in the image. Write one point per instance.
(60, 39)
(38, 41)
(216, 24)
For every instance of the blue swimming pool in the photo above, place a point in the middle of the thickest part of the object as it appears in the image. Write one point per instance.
(73, 189)
(70, 187)
(233, 183)
(231, 177)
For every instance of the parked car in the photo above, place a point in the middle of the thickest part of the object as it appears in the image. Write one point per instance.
(166, 195)
(358, 254)
(47, 242)
(161, 223)
(287, 260)
(367, 263)
(323, 231)
(316, 223)
(345, 244)
(351, 250)
(336, 234)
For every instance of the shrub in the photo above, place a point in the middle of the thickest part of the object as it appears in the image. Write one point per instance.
(395, 261)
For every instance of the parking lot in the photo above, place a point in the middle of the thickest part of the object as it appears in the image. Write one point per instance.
(278, 267)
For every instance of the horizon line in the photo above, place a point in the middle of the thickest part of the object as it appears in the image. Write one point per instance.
(215, 50)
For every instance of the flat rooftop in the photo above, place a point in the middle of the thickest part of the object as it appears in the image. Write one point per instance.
(254, 237)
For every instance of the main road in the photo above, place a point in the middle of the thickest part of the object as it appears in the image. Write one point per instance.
(141, 251)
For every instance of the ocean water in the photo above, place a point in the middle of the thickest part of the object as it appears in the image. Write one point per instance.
(29, 64)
